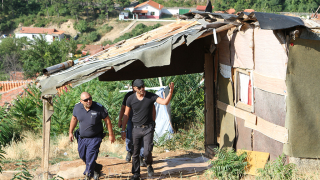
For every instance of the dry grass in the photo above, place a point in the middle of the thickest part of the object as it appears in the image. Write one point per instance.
(30, 148)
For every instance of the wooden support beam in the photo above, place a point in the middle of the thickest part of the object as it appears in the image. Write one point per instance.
(47, 113)
(210, 137)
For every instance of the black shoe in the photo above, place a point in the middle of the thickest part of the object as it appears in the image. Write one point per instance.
(96, 172)
(96, 175)
(142, 163)
(128, 157)
(150, 171)
(135, 177)
(87, 178)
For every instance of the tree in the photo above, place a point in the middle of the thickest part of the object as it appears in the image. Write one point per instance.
(44, 4)
(41, 54)
(123, 3)
(74, 7)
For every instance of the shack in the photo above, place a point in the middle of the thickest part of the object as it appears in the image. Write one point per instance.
(261, 69)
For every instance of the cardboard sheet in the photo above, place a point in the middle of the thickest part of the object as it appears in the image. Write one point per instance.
(272, 108)
(227, 132)
(243, 135)
(303, 107)
(269, 55)
(224, 50)
(242, 48)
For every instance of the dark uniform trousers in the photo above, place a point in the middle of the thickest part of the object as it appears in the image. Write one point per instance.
(140, 134)
(88, 149)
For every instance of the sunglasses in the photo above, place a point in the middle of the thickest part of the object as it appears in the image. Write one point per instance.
(140, 87)
(86, 100)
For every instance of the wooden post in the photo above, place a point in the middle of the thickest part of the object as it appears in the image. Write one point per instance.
(210, 138)
(47, 113)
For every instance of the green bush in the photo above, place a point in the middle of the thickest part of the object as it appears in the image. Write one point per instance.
(92, 36)
(106, 42)
(104, 29)
(1, 158)
(81, 26)
(228, 165)
(23, 172)
(277, 169)
(183, 139)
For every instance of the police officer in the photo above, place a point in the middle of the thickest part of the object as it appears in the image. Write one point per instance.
(129, 144)
(141, 102)
(89, 114)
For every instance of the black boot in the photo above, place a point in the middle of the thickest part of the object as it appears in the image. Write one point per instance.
(128, 157)
(97, 171)
(150, 171)
(135, 177)
(142, 163)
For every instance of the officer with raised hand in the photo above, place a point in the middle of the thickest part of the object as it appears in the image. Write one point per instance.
(129, 143)
(141, 104)
(90, 115)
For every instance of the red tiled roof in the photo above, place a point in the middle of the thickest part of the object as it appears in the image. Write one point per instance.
(151, 3)
(140, 11)
(249, 10)
(92, 49)
(7, 97)
(202, 8)
(35, 30)
(17, 88)
(9, 85)
(231, 11)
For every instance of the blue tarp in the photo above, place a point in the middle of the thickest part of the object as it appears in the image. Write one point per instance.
(163, 119)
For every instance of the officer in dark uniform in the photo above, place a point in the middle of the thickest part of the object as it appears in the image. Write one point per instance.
(129, 143)
(89, 114)
(142, 103)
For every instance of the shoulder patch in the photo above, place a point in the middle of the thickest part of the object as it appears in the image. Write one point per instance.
(99, 104)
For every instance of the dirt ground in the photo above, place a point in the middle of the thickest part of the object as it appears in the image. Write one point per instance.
(167, 165)
(119, 27)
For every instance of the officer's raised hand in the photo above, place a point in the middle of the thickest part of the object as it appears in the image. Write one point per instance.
(168, 98)
(171, 86)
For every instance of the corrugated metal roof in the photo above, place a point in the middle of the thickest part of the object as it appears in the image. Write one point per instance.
(154, 48)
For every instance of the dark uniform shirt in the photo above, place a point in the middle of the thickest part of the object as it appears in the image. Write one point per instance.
(142, 110)
(90, 122)
(125, 101)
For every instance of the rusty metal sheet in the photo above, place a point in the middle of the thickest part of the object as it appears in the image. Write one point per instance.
(243, 135)
(272, 108)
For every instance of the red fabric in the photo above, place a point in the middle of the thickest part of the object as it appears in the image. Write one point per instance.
(249, 93)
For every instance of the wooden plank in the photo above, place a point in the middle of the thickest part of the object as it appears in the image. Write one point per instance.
(43, 133)
(46, 146)
(210, 137)
(274, 85)
(255, 160)
(248, 117)
(244, 106)
(269, 129)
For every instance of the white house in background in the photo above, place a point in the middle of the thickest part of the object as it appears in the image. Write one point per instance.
(148, 9)
(33, 32)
